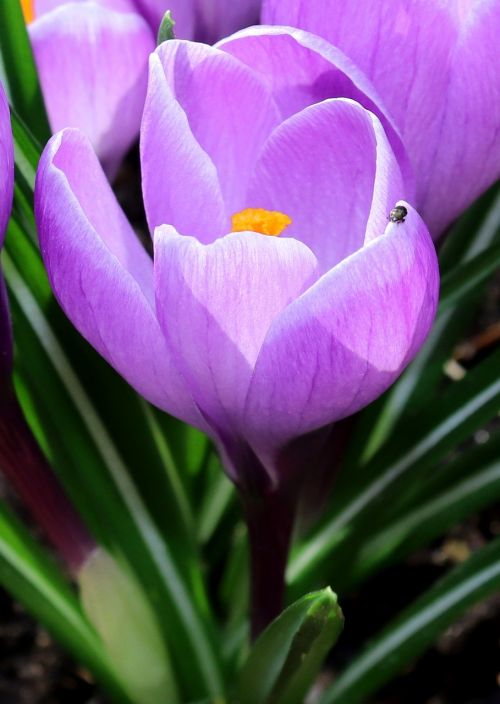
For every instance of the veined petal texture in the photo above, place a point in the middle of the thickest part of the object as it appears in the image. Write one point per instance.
(268, 333)
(228, 301)
(344, 341)
(100, 273)
(435, 64)
(92, 64)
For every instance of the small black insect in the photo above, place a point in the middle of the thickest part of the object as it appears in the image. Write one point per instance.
(398, 213)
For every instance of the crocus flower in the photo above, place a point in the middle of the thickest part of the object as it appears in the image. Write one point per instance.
(36, 8)
(203, 20)
(92, 64)
(435, 65)
(281, 298)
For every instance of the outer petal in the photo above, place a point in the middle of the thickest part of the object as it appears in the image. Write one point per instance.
(321, 167)
(202, 20)
(205, 120)
(215, 304)
(42, 6)
(92, 64)
(345, 340)
(6, 164)
(100, 273)
(300, 69)
(436, 66)
(218, 18)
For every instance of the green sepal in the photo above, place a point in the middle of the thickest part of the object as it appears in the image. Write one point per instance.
(166, 30)
(287, 657)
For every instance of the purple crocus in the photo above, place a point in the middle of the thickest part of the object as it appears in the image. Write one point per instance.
(435, 64)
(203, 20)
(92, 58)
(92, 64)
(281, 299)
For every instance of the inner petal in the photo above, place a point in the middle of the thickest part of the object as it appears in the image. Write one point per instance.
(319, 167)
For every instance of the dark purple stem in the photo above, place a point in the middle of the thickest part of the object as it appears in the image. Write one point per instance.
(270, 513)
(24, 465)
(270, 519)
(5, 337)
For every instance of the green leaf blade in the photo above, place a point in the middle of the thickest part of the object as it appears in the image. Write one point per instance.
(287, 657)
(28, 573)
(20, 72)
(418, 627)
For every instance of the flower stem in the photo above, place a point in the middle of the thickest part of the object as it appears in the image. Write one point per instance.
(5, 338)
(270, 519)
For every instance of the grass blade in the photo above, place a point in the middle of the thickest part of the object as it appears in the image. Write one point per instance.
(418, 627)
(21, 77)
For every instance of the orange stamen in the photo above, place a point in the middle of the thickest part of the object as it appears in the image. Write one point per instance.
(28, 10)
(267, 222)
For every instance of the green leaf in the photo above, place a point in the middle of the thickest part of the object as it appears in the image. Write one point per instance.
(95, 475)
(108, 592)
(415, 448)
(468, 485)
(287, 657)
(418, 627)
(26, 151)
(472, 232)
(87, 420)
(217, 498)
(464, 278)
(27, 572)
(20, 72)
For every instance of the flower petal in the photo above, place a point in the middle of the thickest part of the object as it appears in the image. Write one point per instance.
(202, 20)
(435, 66)
(300, 68)
(321, 167)
(6, 164)
(100, 273)
(346, 339)
(92, 64)
(205, 120)
(215, 305)
(461, 157)
(179, 181)
(218, 18)
(43, 6)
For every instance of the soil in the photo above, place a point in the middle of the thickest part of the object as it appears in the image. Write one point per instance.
(33, 669)
(464, 665)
